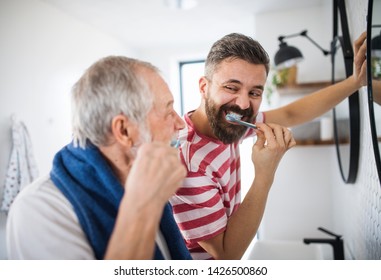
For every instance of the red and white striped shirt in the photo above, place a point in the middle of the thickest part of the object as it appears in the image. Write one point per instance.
(211, 192)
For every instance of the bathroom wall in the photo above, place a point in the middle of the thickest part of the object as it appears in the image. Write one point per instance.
(357, 210)
(42, 53)
(308, 191)
(317, 21)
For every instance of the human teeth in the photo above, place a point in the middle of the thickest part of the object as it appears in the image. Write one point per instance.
(235, 115)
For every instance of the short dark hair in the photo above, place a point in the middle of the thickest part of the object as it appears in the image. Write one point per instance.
(234, 46)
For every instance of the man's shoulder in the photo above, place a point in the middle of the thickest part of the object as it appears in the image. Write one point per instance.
(42, 224)
(40, 195)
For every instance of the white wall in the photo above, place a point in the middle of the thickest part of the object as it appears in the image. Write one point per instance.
(42, 53)
(300, 199)
(318, 23)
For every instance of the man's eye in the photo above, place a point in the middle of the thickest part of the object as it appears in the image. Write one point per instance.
(255, 93)
(171, 114)
(231, 88)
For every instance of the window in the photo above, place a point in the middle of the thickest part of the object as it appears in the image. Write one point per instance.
(190, 73)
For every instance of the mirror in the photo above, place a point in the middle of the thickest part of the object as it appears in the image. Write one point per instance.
(374, 76)
(346, 114)
(341, 112)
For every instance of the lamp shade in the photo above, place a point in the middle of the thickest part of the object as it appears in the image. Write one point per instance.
(376, 42)
(287, 56)
(376, 46)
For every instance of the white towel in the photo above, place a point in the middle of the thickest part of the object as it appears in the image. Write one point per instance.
(22, 167)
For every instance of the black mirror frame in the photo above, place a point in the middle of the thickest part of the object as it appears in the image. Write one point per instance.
(353, 100)
(370, 89)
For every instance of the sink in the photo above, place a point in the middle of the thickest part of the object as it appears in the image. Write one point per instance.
(285, 250)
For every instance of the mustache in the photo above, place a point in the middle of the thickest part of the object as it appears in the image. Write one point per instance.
(249, 112)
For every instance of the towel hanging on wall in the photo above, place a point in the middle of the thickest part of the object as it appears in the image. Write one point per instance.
(22, 167)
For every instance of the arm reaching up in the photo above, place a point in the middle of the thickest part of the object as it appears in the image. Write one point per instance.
(315, 104)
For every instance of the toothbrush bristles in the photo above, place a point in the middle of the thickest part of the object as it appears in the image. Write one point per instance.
(236, 118)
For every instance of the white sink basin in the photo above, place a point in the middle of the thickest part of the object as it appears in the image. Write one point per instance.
(285, 250)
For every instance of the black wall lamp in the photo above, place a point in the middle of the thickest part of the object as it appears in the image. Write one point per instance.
(288, 56)
(376, 44)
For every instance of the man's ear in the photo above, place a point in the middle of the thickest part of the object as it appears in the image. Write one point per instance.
(203, 84)
(121, 130)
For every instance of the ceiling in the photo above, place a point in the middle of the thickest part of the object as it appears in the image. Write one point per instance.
(147, 23)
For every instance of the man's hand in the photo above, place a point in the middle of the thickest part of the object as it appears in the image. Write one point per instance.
(156, 173)
(273, 142)
(359, 66)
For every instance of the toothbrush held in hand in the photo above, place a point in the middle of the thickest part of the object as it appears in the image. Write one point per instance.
(237, 119)
(175, 143)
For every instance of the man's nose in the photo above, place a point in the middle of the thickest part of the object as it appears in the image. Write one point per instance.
(179, 122)
(243, 101)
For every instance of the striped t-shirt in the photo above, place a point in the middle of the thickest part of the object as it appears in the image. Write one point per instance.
(211, 191)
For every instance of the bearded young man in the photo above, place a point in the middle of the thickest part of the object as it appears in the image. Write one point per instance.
(208, 209)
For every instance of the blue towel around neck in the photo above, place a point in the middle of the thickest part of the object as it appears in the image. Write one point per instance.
(88, 182)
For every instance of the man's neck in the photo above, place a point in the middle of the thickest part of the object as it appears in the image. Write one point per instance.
(118, 161)
(201, 123)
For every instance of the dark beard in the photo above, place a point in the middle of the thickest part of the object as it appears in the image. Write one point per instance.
(227, 133)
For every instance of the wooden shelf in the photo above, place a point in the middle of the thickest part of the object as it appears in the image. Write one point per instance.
(306, 142)
(314, 142)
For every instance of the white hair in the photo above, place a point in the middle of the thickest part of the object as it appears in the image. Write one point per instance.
(111, 86)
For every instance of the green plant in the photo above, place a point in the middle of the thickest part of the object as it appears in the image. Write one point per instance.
(376, 67)
(278, 78)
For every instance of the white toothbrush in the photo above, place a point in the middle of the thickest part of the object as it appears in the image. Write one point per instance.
(235, 118)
